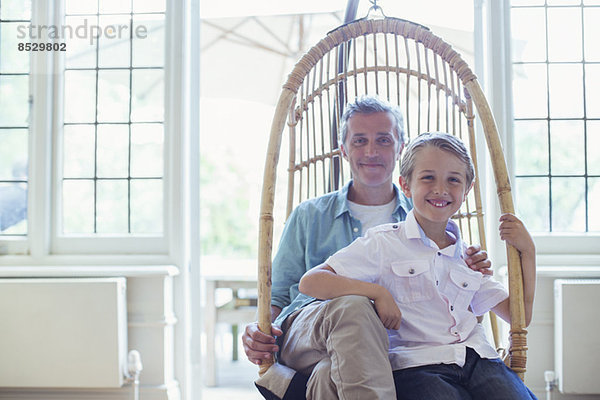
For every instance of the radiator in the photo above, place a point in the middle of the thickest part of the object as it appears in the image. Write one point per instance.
(69, 333)
(577, 335)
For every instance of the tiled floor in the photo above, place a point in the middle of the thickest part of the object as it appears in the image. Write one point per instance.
(235, 379)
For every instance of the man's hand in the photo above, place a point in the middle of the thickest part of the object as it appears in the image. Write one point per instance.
(477, 260)
(257, 345)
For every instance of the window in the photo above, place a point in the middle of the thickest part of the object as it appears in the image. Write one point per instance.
(14, 119)
(556, 70)
(83, 143)
(112, 164)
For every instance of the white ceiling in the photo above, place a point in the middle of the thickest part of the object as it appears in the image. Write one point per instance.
(455, 14)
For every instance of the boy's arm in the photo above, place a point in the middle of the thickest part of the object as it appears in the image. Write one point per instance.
(514, 232)
(322, 282)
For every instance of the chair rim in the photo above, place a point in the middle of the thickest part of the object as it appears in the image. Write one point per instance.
(389, 25)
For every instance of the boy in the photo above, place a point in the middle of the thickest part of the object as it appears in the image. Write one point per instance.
(415, 271)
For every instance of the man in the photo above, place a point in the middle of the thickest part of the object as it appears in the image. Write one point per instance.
(340, 345)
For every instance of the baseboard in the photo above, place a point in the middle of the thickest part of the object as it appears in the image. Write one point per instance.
(147, 392)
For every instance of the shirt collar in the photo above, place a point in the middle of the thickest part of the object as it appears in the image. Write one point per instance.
(341, 207)
(414, 231)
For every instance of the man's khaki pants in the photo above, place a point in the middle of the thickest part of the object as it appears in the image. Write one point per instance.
(343, 346)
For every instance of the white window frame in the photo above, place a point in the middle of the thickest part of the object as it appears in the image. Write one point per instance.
(553, 249)
(177, 249)
(44, 240)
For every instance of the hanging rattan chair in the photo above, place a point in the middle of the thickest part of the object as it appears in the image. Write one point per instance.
(408, 65)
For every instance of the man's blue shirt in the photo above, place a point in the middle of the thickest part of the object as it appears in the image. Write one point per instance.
(315, 230)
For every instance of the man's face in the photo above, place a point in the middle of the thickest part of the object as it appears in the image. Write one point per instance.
(371, 148)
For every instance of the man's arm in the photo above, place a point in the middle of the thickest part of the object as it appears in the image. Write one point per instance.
(477, 260)
(323, 282)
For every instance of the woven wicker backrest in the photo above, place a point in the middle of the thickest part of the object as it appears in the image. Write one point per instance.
(406, 64)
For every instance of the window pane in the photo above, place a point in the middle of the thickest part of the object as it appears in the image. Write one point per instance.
(15, 9)
(148, 95)
(567, 144)
(81, 46)
(13, 60)
(111, 206)
(591, 16)
(113, 45)
(532, 203)
(147, 150)
(113, 95)
(13, 208)
(14, 100)
(78, 154)
(529, 79)
(593, 144)
(148, 40)
(13, 154)
(563, 2)
(527, 2)
(531, 147)
(81, 6)
(566, 90)
(78, 206)
(592, 92)
(113, 151)
(114, 6)
(147, 6)
(593, 212)
(564, 44)
(80, 96)
(146, 206)
(568, 204)
(528, 27)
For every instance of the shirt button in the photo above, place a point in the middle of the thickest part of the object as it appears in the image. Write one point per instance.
(465, 284)
(411, 271)
(395, 226)
(439, 253)
(355, 229)
(451, 308)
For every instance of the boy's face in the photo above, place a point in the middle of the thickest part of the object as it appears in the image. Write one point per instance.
(371, 148)
(438, 186)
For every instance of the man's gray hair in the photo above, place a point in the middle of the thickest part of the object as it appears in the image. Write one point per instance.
(370, 105)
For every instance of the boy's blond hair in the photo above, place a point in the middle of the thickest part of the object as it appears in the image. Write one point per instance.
(443, 141)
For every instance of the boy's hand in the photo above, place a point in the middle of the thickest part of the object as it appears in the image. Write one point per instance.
(477, 260)
(387, 309)
(514, 232)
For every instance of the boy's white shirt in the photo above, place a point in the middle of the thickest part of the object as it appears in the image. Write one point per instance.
(433, 289)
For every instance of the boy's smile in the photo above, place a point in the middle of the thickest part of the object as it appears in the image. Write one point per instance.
(437, 186)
